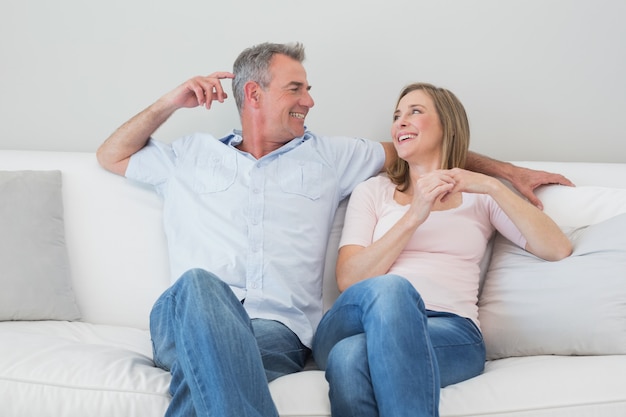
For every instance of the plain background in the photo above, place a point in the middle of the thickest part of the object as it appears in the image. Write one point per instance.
(540, 79)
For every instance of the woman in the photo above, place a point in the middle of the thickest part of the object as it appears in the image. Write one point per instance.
(390, 342)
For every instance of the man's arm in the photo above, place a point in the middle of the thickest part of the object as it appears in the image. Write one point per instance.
(390, 155)
(133, 135)
(524, 180)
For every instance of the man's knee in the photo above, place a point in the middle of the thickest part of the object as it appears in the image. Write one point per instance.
(203, 292)
(198, 280)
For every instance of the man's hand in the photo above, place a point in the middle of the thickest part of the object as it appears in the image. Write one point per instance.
(199, 91)
(526, 180)
(133, 135)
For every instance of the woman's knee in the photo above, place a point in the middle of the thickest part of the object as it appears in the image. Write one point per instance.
(347, 360)
(390, 285)
(390, 293)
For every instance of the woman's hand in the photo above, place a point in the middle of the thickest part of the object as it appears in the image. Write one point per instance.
(429, 189)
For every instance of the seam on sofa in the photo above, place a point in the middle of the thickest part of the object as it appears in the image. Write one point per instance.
(529, 411)
(83, 388)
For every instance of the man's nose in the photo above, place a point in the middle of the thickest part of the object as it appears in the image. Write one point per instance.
(307, 100)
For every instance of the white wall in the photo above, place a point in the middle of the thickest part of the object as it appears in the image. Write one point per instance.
(541, 79)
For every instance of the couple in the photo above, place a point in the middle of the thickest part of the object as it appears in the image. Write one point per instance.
(247, 218)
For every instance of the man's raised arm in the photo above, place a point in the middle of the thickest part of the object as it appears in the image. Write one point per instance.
(524, 180)
(133, 135)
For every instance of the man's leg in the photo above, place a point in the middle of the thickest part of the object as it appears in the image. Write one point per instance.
(395, 356)
(281, 350)
(203, 336)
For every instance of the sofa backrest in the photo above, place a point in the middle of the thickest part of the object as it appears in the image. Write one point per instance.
(113, 233)
(115, 239)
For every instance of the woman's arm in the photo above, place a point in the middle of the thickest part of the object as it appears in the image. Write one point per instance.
(544, 238)
(356, 263)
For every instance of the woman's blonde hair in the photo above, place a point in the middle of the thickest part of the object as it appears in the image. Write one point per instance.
(455, 127)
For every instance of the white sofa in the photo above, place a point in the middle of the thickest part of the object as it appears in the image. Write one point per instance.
(556, 343)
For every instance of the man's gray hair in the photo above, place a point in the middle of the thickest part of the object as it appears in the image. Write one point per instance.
(254, 62)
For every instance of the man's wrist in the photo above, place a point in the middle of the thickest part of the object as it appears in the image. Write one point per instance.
(491, 167)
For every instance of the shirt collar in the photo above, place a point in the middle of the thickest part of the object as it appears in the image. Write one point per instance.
(235, 138)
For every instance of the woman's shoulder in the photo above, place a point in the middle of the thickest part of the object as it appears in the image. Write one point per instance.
(376, 183)
(380, 180)
(377, 189)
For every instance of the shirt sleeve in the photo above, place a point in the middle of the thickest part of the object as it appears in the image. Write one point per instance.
(153, 164)
(354, 159)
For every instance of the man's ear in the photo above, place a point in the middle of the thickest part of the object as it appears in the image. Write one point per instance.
(252, 91)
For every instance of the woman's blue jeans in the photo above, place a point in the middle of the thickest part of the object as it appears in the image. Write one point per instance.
(220, 359)
(386, 355)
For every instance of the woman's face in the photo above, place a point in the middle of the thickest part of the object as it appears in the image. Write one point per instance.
(416, 130)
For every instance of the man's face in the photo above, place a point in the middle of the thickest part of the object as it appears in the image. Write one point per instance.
(286, 101)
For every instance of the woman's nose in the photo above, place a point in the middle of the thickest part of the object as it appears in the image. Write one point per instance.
(401, 121)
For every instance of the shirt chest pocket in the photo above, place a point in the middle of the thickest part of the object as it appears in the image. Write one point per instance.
(300, 177)
(214, 173)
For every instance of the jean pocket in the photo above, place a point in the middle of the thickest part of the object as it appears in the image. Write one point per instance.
(214, 173)
(300, 177)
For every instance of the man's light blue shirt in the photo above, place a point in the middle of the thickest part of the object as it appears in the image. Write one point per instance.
(262, 226)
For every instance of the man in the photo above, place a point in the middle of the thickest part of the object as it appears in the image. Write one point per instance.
(247, 219)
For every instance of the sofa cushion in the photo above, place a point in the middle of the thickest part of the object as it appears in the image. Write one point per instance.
(77, 369)
(576, 306)
(35, 279)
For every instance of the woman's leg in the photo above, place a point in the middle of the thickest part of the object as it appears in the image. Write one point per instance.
(459, 347)
(392, 316)
(350, 386)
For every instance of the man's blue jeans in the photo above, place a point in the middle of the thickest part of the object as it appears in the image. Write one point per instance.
(386, 355)
(220, 359)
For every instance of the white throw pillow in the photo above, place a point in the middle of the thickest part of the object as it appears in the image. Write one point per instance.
(35, 279)
(581, 206)
(576, 306)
